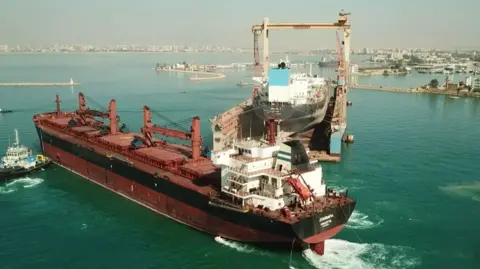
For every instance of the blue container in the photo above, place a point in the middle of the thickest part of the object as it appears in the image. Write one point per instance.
(336, 143)
(278, 77)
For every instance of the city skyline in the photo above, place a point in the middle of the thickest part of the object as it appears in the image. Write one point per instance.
(375, 24)
(213, 48)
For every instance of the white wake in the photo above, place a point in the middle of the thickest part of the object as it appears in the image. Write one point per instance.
(235, 245)
(14, 185)
(341, 254)
(360, 221)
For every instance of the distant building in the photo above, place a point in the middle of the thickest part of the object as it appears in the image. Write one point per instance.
(396, 56)
(4, 48)
(476, 84)
(468, 81)
(379, 58)
(354, 68)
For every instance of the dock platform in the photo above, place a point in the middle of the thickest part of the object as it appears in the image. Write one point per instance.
(316, 152)
(38, 84)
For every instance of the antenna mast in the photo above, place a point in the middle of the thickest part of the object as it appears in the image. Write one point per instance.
(17, 140)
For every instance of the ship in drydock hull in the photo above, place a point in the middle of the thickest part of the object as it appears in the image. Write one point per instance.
(259, 192)
(299, 101)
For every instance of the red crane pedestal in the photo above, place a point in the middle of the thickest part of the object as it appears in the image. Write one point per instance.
(271, 131)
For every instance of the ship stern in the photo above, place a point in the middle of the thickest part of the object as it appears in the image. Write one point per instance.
(322, 225)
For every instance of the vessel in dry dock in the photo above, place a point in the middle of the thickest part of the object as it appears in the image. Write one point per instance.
(297, 100)
(256, 191)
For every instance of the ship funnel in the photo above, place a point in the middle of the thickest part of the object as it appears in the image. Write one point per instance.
(17, 140)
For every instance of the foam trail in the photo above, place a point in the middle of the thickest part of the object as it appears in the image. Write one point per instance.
(29, 182)
(237, 246)
(240, 247)
(341, 254)
(5, 190)
(360, 221)
(25, 182)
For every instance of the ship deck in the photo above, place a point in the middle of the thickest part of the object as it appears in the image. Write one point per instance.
(320, 204)
(297, 213)
(163, 152)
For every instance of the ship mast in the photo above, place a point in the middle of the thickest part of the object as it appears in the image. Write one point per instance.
(17, 140)
(57, 102)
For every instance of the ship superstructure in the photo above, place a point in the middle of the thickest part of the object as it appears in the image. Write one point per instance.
(276, 176)
(17, 155)
(261, 192)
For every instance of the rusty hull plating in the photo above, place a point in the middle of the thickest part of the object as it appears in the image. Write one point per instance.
(175, 180)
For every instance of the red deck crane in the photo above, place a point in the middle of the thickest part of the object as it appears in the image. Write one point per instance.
(85, 113)
(194, 135)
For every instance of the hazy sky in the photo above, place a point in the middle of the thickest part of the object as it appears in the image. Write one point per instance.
(375, 23)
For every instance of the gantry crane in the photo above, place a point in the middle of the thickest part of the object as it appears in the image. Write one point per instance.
(342, 23)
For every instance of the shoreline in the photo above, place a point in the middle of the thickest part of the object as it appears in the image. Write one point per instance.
(33, 84)
(211, 75)
(417, 90)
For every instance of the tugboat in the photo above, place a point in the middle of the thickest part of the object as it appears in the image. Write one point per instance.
(19, 161)
(4, 111)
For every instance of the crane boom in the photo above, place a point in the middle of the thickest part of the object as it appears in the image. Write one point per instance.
(167, 132)
(193, 136)
(94, 113)
(83, 112)
(299, 26)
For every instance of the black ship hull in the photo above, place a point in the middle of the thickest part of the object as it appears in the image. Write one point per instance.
(294, 119)
(8, 174)
(188, 206)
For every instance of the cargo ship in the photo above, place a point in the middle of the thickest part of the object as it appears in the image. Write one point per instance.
(259, 192)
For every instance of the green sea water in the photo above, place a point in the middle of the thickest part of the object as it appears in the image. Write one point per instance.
(413, 169)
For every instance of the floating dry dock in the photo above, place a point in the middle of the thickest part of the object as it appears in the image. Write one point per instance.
(36, 84)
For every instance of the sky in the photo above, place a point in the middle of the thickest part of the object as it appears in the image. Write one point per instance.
(375, 23)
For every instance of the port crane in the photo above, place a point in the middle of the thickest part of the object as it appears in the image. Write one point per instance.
(342, 23)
